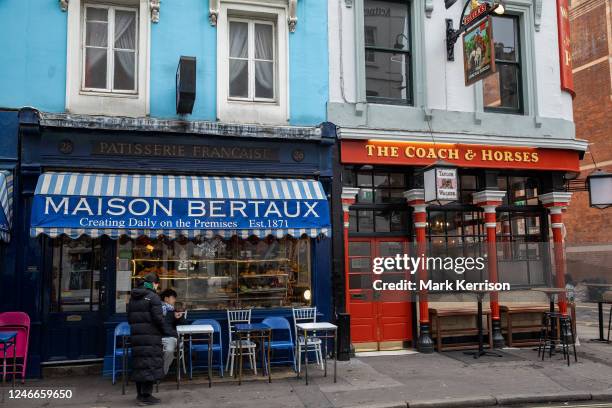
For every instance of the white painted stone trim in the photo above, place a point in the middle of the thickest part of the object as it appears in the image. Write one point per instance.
(155, 10)
(349, 193)
(488, 195)
(414, 194)
(555, 197)
(213, 12)
(463, 138)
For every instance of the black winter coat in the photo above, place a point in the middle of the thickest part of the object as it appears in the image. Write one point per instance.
(147, 328)
(171, 323)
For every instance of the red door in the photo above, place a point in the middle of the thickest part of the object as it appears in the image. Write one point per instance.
(380, 319)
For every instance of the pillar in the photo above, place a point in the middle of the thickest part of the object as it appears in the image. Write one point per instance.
(489, 200)
(348, 199)
(416, 199)
(556, 202)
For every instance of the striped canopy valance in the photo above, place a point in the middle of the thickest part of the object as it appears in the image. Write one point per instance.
(77, 204)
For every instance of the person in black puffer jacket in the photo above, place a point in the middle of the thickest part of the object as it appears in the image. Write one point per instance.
(147, 328)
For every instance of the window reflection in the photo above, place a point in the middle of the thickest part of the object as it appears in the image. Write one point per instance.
(219, 273)
(387, 51)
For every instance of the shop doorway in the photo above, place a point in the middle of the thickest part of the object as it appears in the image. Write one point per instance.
(380, 319)
(73, 326)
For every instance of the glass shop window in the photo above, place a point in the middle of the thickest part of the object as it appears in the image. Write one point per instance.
(521, 247)
(503, 90)
(110, 50)
(388, 57)
(214, 274)
(380, 201)
(456, 233)
(75, 275)
(520, 191)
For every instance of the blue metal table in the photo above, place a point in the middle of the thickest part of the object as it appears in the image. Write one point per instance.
(8, 339)
(262, 333)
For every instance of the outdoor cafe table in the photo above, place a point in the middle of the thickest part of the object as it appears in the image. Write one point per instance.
(188, 330)
(600, 304)
(8, 339)
(481, 351)
(317, 329)
(263, 334)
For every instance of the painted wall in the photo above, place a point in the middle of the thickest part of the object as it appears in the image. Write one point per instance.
(33, 62)
(453, 106)
(33, 57)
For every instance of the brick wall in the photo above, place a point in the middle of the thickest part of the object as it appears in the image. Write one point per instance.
(591, 46)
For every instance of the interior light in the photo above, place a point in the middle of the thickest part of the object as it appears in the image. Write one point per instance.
(500, 9)
(307, 294)
(150, 247)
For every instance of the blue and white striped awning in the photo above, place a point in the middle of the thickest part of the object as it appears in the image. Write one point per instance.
(6, 202)
(92, 197)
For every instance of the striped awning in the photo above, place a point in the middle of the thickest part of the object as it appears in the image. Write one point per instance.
(6, 202)
(115, 205)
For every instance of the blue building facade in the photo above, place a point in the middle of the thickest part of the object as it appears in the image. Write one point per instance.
(90, 89)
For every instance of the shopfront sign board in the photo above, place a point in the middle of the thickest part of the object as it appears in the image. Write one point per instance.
(413, 153)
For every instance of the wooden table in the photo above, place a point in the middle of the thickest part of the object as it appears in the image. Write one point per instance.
(263, 334)
(8, 339)
(600, 304)
(316, 329)
(189, 330)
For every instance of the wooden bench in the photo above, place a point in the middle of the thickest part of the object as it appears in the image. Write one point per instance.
(511, 328)
(439, 315)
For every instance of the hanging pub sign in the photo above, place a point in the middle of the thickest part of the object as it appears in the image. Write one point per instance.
(478, 52)
(440, 184)
(474, 14)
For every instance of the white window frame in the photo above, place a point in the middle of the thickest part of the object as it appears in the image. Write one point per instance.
(258, 110)
(251, 22)
(110, 49)
(88, 101)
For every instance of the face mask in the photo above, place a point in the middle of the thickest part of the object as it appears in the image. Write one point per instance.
(149, 285)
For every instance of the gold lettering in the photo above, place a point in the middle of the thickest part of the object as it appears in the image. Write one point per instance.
(409, 151)
(453, 154)
(498, 156)
(370, 149)
(394, 151)
(382, 151)
(442, 153)
(487, 155)
(431, 153)
(508, 156)
(103, 147)
(534, 157)
(420, 152)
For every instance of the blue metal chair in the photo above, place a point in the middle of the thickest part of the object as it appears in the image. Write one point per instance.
(217, 346)
(122, 329)
(279, 326)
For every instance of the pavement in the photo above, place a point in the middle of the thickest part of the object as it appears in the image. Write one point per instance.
(408, 380)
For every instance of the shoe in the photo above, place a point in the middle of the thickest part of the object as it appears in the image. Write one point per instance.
(149, 400)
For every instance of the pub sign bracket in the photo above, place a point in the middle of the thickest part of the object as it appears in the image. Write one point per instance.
(474, 11)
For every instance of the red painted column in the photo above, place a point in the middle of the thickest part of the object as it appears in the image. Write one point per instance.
(556, 203)
(416, 199)
(348, 199)
(489, 200)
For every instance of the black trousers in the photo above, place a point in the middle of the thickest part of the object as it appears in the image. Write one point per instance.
(144, 388)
